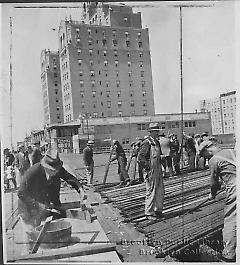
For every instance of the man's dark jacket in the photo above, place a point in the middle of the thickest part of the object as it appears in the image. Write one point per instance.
(36, 156)
(36, 188)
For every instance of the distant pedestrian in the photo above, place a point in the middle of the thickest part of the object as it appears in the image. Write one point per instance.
(136, 147)
(120, 156)
(222, 165)
(167, 160)
(88, 160)
(189, 146)
(9, 174)
(22, 163)
(150, 155)
(36, 155)
(175, 153)
(198, 141)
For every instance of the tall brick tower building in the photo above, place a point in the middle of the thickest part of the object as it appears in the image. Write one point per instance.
(51, 87)
(105, 63)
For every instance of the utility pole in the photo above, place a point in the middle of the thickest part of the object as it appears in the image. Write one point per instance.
(11, 86)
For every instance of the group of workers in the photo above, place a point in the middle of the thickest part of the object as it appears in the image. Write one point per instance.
(156, 152)
(40, 177)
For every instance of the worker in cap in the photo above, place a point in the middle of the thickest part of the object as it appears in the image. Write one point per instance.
(222, 165)
(88, 161)
(40, 190)
(135, 150)
(190, 148)
(119, 155)
(150, 156)
(197, 141)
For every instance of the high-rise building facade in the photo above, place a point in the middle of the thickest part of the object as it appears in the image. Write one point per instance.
(51, 87)
(223, 112)
(105, 64)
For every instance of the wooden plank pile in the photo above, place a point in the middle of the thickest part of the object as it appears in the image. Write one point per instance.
(178, 228)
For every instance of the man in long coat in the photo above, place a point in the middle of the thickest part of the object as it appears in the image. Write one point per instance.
(222, 166)
(150, 155)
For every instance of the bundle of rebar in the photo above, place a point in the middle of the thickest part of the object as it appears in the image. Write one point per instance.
(177, 227)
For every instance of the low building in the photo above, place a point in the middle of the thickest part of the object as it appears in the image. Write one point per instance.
(125, 129)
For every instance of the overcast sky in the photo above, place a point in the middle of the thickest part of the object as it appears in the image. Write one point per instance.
(208, 56)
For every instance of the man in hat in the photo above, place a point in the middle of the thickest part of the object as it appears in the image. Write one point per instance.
(197, 140)
(136, 146)
(175, 152)
(119, 155)
(222, 165)
(88, 160)
(189, 146)
(150, 156)
(40, 190)
(36, 154)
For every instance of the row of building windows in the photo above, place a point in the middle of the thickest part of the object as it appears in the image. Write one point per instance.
(120, 113)
(107, 83)
(67, 107)
(92, 73)
(64, 66)
(68, 117)
(114, 32)
(104, 42)
(65, 76)
(105, 53)
(131, 94)
(162, 125)
(231, 100)
(106, 63)
(109, 104)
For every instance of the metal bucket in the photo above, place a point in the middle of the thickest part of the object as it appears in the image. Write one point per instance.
(57, 235)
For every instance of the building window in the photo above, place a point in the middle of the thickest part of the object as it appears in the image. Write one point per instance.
(120, 113)
(95, 114)
(82, 94)
(129, 64)
(142, 73)
(139, 34)
(81, 73)
(104, 42)
(141, 127)
(106, 73)
(126, 34)
(130, 83)
(119, 103)
(90, 52)
(89, 31)
(131, 93)
(94, 104)
(105, 63)
(57, 100)
(194, 124)
(109, 104)
(107, 83)
(186, 124)
(91, 63)
(58, 108)
(79, 62)
(79, 51)
(93, 83)
(144, 103)
(144, 112)
(116, 63)
(141, 64)
(108, 94)
(117, 73)
(90, 42)
(55, 74)
(93, 94)
(114, 42)
(114, 33)
(144, 93)
(78, 41)
(115, 53)
(81, 83)
(58, 117)
(77, 29)
(125, 19)
(56, 83)
(128, 54)
(92, 73)
(132, 103)
(143, 83)
(139, 44)
(140, 54)
(127, 43)
(104, 53)
(130, 73)
(119, 94)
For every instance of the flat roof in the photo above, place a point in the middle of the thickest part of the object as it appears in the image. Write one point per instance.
(138, 119)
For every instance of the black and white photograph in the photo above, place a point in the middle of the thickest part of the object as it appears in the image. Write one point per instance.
(118, 132)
